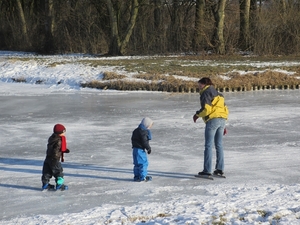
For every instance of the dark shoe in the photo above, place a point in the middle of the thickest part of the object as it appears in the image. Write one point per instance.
(147, 178)
(219, 173)
(136, 178)
(47, 186)
(61, 187)
(204, 173)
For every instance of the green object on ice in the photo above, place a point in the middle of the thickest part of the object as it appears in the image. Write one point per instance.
(60, 180)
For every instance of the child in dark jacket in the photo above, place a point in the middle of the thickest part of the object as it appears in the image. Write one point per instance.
(140, 145)
(56, 148)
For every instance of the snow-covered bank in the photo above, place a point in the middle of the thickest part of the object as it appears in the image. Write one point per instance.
(70, 71)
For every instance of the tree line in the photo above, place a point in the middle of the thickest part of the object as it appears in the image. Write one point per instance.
(139, 27)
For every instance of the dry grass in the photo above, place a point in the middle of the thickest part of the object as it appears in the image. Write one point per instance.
(157, 73)
(171, 85)
(152, 77)
(264, 80)
(112, 76)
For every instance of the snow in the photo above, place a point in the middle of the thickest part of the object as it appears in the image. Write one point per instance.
(261, 152)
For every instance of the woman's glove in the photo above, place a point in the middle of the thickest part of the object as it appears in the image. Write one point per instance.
(195, 117)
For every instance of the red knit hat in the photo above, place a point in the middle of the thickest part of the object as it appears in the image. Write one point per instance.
(59, 129)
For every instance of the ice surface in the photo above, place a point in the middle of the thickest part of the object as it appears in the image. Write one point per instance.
(261, 158)
(261, 153)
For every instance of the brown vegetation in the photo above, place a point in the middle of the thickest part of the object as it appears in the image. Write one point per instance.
(180, 74)
(237, 82)
(112, 76)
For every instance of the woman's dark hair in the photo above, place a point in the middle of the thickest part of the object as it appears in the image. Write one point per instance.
(205, 81)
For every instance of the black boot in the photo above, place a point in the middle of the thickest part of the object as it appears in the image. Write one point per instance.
(218, 173)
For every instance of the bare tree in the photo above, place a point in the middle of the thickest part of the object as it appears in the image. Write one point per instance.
(244, 37)
(48, 19)
(284, 9)
(174, 33)
(23, 21)
(218, 9)
(157, 14)
(199, 23)
(158, 25)
(119, 42)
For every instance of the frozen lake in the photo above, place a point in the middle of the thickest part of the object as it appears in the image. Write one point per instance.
(261, 148)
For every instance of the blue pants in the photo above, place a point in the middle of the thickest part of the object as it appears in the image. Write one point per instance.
(140, 162)
(214, 135)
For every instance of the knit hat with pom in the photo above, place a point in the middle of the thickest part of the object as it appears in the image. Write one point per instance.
(59, 129)
(147, 122)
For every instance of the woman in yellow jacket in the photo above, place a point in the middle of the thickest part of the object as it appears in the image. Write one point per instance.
(214, 113)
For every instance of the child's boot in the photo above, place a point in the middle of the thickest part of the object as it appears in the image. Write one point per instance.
(146, 178)
(61, 187)
(47, 186)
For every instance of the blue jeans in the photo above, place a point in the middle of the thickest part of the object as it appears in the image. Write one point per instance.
(214, 130)
(140, 162)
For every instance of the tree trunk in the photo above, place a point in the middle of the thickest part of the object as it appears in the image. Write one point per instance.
(117, 44)
(253, 22)
(174, 35)
(23, 22)
(157, 14)
(253, 13)
(114, 47)
(220, 28)
(131, 24)
(48, 43)
(244, 36)
(284, 10)
(218, 37)
(199, 21)
(52, 17)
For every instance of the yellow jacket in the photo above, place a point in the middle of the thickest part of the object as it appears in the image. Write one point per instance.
(212, 104)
